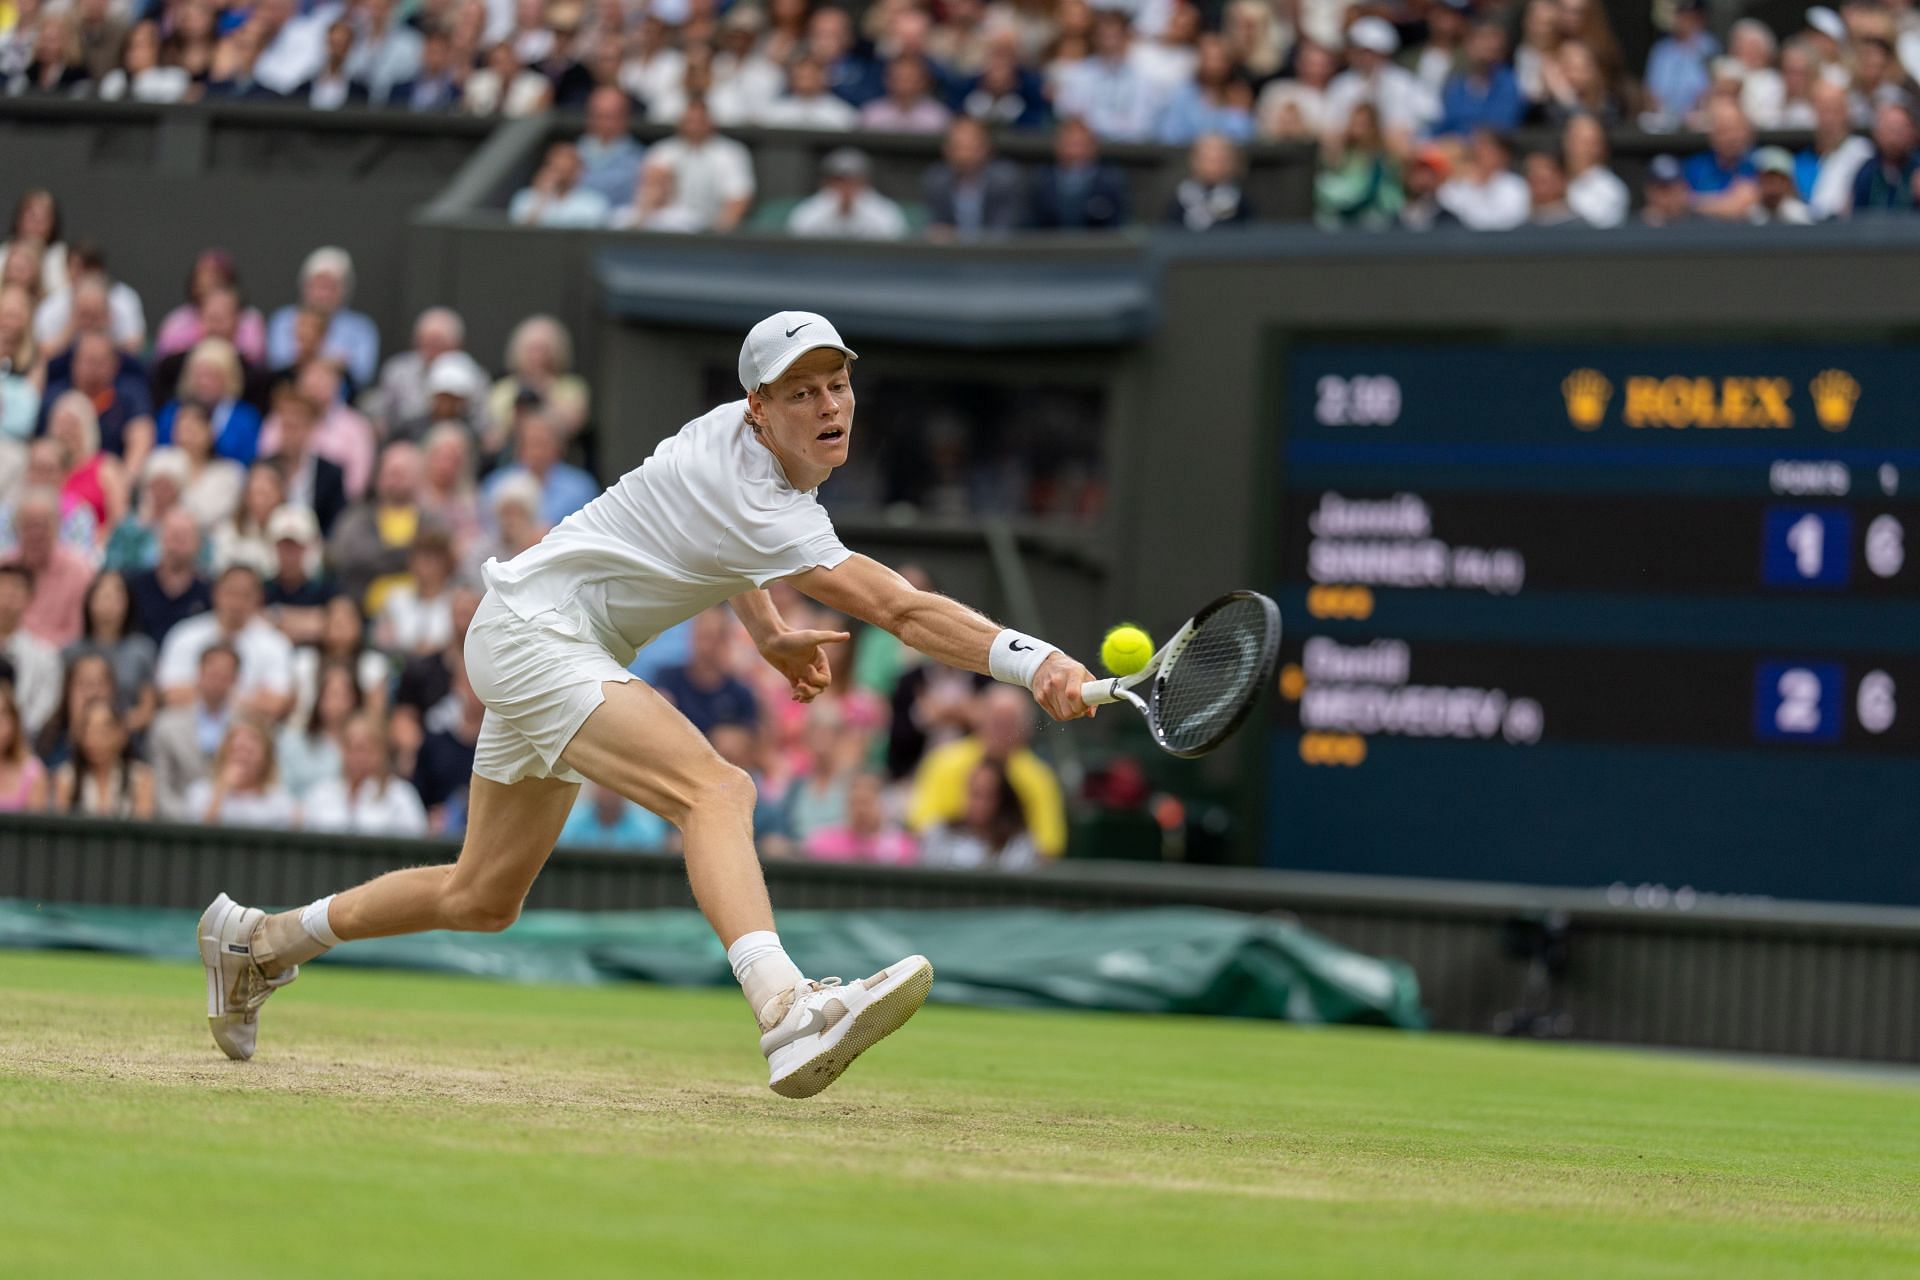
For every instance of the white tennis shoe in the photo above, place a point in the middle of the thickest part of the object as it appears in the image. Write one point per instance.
(235, 986)
(829, 1024)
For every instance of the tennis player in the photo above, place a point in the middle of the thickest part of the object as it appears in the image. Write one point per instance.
(717, 513)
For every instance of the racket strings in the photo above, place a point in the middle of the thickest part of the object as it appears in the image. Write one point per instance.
(1201, 697)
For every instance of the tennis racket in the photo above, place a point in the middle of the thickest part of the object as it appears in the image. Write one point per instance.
(1200, 685)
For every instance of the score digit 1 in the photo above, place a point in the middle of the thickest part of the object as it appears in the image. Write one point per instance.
(1807, 547)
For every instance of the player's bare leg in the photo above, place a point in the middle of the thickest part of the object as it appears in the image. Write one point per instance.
(248, 954)
(638, 745)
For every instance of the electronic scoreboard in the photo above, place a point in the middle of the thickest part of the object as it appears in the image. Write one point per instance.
(1601, 614)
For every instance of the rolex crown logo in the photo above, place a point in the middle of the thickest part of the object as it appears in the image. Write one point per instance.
(1834, 395)
(1587, 392)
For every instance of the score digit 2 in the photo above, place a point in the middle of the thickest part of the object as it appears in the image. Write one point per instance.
(1798, 701)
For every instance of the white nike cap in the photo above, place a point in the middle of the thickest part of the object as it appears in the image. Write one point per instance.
(783, 337)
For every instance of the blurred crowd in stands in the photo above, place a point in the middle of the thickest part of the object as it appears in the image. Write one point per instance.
(1412, 103)
(239, 552)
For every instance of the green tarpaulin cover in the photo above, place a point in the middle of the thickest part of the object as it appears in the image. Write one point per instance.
(1168, 960)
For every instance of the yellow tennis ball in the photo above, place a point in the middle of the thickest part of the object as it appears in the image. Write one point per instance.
(1126, 649)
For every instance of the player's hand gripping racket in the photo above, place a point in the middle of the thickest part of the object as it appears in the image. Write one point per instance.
(1200, 685)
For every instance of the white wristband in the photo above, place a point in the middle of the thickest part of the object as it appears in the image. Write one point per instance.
(1016, 658)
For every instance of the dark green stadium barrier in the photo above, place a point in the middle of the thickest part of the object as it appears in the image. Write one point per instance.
(1156, 960)
(1747, 975)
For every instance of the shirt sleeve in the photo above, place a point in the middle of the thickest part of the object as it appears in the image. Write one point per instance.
(273, 665)
(178, 656)
(779, 544)
(736, 175)
(406, 816)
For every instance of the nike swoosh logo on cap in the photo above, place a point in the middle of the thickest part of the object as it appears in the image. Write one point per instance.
(797, 328)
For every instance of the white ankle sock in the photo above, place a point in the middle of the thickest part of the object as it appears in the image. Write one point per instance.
(763, 969)
(313, 918)
(293, 937)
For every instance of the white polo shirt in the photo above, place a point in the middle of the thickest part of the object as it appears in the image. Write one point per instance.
(706, 177)
(392, 808)
(708, 516)
(266, 656)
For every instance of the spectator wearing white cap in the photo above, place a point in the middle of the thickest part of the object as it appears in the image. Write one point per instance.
(847, 206)
(402, 392)
(1406, 106)
(456, 392)
(1594, 191)
(326, 286)
(1108, 89)
(1827, 37)
(713, 176)
(1777, 200)
(296, 590)
(1487, 195)
(294, 527)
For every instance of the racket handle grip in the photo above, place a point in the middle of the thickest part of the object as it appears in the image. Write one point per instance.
(1098, 693)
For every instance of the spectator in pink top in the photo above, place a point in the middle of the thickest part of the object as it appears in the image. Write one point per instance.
(60, 574)
(212, 270)
(866, 835)
(23, 779)
(909, 106)
(343, 436)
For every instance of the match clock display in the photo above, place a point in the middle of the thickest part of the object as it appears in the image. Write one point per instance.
(1571, 613)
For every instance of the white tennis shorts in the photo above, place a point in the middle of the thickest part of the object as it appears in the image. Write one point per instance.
(539, 687)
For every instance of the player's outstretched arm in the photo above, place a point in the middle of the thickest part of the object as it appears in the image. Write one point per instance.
(798, 655)
(948, 631)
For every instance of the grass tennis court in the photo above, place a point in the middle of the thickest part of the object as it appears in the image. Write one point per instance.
(400, 1125)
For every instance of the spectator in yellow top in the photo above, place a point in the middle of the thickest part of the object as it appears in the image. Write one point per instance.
(1003, 726)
